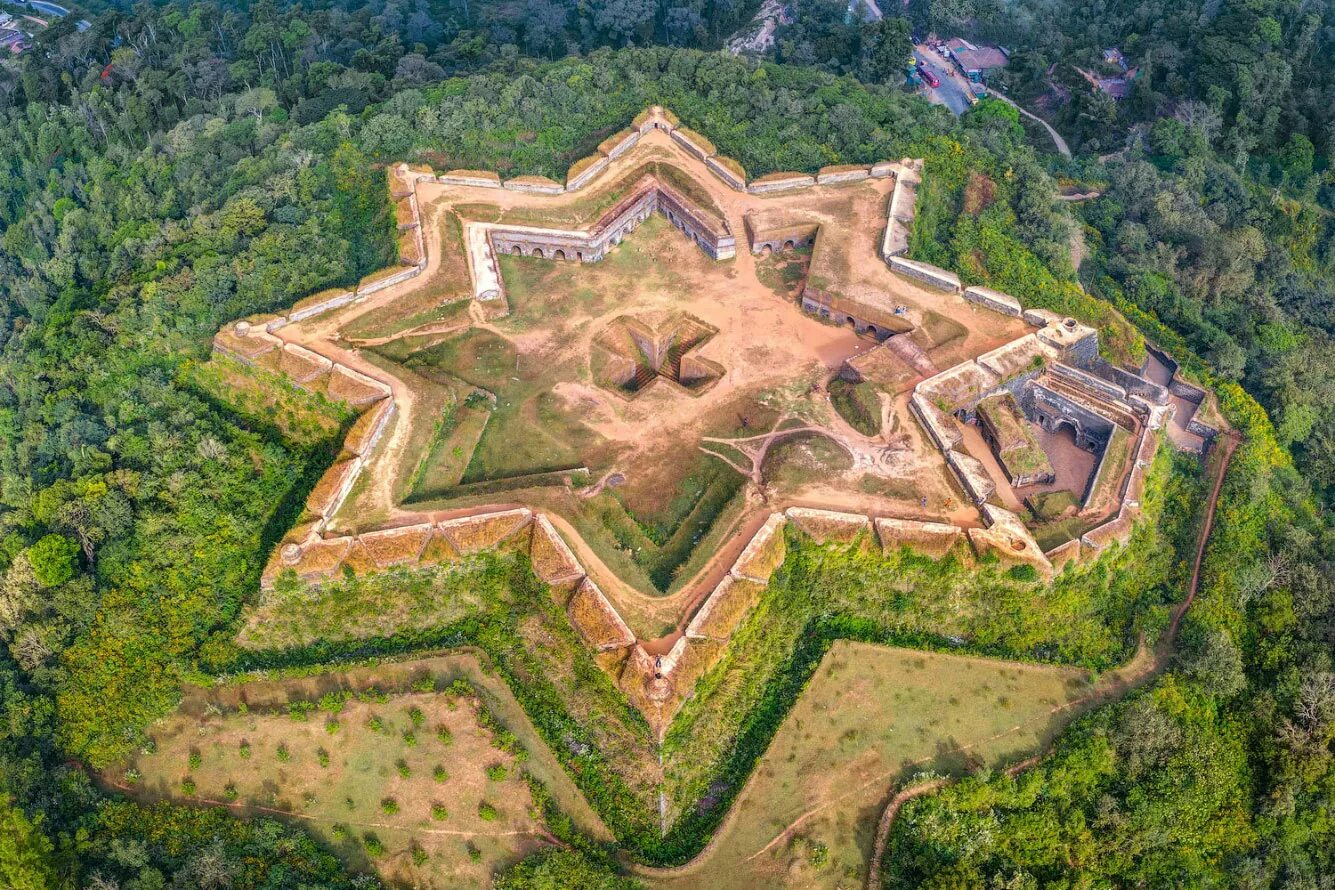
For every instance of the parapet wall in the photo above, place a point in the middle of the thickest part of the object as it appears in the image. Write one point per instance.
(902, 209)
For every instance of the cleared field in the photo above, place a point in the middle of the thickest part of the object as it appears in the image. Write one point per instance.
(873, 716)
(423, 787)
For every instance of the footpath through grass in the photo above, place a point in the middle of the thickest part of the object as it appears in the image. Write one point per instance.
(871, 717)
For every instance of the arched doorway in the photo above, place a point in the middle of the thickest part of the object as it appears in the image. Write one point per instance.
(537, 252)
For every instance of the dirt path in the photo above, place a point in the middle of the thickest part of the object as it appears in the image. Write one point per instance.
(1151, 666)
(1062, 148)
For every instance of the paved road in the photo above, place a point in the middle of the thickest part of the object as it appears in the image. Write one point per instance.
(954, 92)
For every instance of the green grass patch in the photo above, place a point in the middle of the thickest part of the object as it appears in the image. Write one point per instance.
(857, 403)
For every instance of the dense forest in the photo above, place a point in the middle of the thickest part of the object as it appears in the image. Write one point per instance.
(176, 166)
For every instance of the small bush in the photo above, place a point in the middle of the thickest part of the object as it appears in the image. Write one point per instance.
(333, 702)
(410, 739)
(497, 772)
(244, 750)
(389, 806)
(332, 726)
(374, 846)
(486, 812)
(300, 710)
(402, 766)
(194, 760)
(284, 755)
(1023, 572)
(473, 852)
(188, 787)
(424, 684)
(444, 735)
(230, 792)
(439, 813)
(322, 756)
(416, 716)
(439, 773)
(338, 831)
(375, 724)
(419, 855)
(818, 854)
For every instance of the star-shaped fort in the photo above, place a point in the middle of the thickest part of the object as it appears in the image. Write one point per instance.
(641, 376)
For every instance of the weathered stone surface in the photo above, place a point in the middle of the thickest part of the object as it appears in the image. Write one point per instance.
(994, 300)
(488, 179)
(396, 546)
(933, 276)
(721, 612)
(470, 534)
(931, 538)
(595, 619)
(552, 559)
(765, 551)
(827, 525)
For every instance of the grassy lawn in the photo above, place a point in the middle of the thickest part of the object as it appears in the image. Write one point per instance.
(870, 717)
(435, 778)
(526, 432)
(302, 418)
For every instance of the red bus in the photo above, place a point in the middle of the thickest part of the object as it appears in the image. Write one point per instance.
(928, 76)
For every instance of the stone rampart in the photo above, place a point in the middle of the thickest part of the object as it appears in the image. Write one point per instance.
(780, 182)
(842, 173)
(933, 276)
(903, 208)
(994, 300)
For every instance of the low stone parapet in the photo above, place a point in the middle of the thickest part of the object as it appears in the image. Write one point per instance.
(695, 144)
(724, 608)
(933, 276)
(583, 171)
(972, 476)
(994, 300)
(842, 173)
(780, 182)
(470, 534)
(534, 185)
(320, 303)
(484, 179)
(1008, 538)
(553, 562)
(728, 170)
(379, 281)
(936, 422)
(596, 620)
(619, 143)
